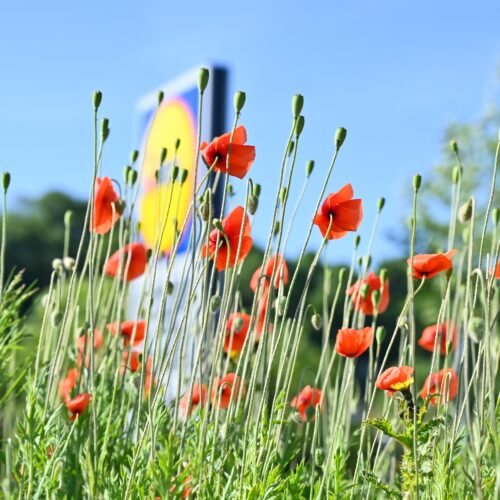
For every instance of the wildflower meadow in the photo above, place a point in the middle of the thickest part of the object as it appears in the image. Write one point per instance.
(191, 392)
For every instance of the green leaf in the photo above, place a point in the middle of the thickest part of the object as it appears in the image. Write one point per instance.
(385, 426)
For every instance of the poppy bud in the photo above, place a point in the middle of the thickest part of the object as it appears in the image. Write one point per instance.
(380, 334)
(204, 211)
(297, 104)
(299, 125)
(230, 190)
(495, 215)
(449, 272)
(149, 252)
(133, 156)
(376, 296)
(170, 287)
(316, 321)
(465, 212)
(158, 174)
(342, 274)
(132, 176)
(120, 206)
(368, 261)
(276, 228)
(360, 261)
(177, 144)
(104, 129)
(309, 167)
(252, 204)
(56, 318)
(476, 328)
(57, 265)
(203, 76)
(126, 172)
(239, 101)
(383, 276)
(290, 148)
(69, 263)
(97, 98)
(357, 240)
(6, 181)
(456, 175)
(417, 182)
(68, 216)
(319, 457)
(237, 324)
(340, 136)
(449, 347)
(380, 204)
(365, 289)
(283, 195)
(163, 155)
(175, 173)
(218, 224)
(280, 305)
(215, 302)
(257, 189)
(183, 176)
(454, 147)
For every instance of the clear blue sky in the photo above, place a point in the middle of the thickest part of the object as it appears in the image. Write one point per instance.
(393, 73)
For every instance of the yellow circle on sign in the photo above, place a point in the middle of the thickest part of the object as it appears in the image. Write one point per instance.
(164, 203)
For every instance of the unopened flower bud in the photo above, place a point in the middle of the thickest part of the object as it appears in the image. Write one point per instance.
(380, 334)
(465, 212)
(495, 215)
(56, 318)
(174, 173)
(237, 324)
(297, 104)
(454, 147)
(417, 182)
(316, 321)
(69, 263)
(149, 253)
(132, 176)
(120, 205)
(380, 204)
(6, 181)
(57, 264)
(383, 276)
(170, 287)
(215, 302)
(357, 240)
(160, 96)
(230, 190)
(476, 328)
(218, 224)
(97, 98)
(376, 295)
(126, 172)
(163, 155)
(342, 273)
(449, 347)
(183, 176)
(204, 211)
(291, 147)
(158, 174)
(177, 144)
(277, 227)
(203, 76)
(133, 156)
(283, 195)
(340, 136)
(104, 129)
(368, 261)
(239, 100)
(299, 125)
(68, 217)
(252, 204)
(309, 167)
(456, 175)
(360, 261)
(257, 189)
(365, 290)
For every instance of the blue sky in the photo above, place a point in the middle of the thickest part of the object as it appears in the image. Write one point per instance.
(393, 73)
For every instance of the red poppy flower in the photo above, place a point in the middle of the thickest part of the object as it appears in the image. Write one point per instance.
(365, 304)
(241, 155)
(237, 328)
(135, 362)
(280, 273)
(225, 388)
(497, 271)
(394, 379)
(429, 265)
(444, 334)
(444, 383)
(138, 256)
(307, 398)
(262, 310)
(148, 382)
(231, 242)
(84, 342)
(352, 343)
(186, 489)
(342, 211)
(105, 198)
(128, 329)
(67, 384)
(78, 404)
(198, 398)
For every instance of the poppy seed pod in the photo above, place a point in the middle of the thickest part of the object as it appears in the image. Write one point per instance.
(340, 136)
(97, 98)
(133, 156)
(6, 181)
(203, 76)
(299, 125)
(316, 321)
(239, 100)
(417, 182)
(163, 155)
(69, 263)
(465, 212)
(309, 167)
(252, 204)
(57, 264)
(68, 217)
(204, 211)
(297, 104)
(160, 96)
